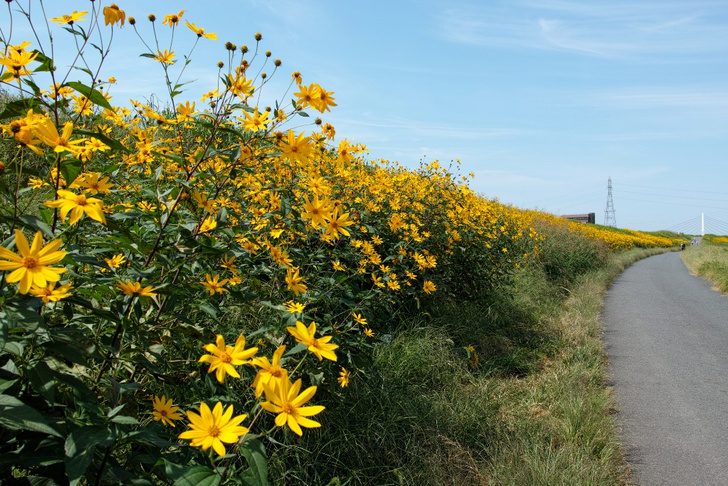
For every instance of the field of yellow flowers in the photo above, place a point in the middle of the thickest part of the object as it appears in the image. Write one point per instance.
(183, 286)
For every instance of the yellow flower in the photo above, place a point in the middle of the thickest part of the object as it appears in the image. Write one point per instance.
(70, 19)
(16, 60)
(200, 31)
(215, 285)
(31, 266)
(113, 14)
(209, 224)
(295, 281)
(166, 57)
(223, 357)
(115, 261)
(307, 96)
(293, 307)
(359, 319)
(165, 411)
(368, 332)
(319, 347)
(298, 147)
(212, 428)
(228, 262)
(78, 205)
(91, 183)
(255, 122)
(429, 287)
(323, 100)
(186, 111)
(135, 288)
(337, 224)
(36, 183)
(283, 398)
(268, 372)
(172, 19)
(343, 378)
(317, 211)
(51, 294)
(46, 131)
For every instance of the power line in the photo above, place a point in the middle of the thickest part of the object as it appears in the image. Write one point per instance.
(673, 196)
(674, 190)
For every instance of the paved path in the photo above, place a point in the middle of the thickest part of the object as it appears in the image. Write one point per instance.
(666, 333)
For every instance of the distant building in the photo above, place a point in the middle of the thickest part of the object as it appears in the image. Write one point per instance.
(583, 218)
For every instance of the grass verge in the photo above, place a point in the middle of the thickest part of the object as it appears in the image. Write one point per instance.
(710, 261)
(533, 410)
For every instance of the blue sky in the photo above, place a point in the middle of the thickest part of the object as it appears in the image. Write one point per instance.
(543, 100)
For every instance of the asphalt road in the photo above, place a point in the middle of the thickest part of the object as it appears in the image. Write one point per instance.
(666, 334)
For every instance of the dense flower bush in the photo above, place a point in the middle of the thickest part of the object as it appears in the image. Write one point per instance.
(188, 283)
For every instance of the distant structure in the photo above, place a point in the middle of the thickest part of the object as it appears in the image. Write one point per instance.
(609, 218)
(582, 218)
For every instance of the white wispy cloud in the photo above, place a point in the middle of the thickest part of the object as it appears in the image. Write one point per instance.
(609, 29)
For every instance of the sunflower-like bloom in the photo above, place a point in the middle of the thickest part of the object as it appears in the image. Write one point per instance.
(31, 267)
(135, 288)
(46, 131)
(50, 293)
(223, 358)
(172, 19)
(165, 411)
(320, 347)
(429, 287)
(337, 223)
(16, 60)
(255, 122)
(113, 14)
(283, 398)
(344, 376)
(200, 31)
(78, 205)
(268, 371)
(317, 211)
(215, 285)
(212, 428)
(295, 281)
(70, 19)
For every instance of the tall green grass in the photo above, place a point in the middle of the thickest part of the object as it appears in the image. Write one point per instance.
(534, 411)
(710, 261)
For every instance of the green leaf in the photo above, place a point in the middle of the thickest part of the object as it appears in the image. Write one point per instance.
(42, 380)
(124, 420)
(37, 224)
(16, 415)
(257, 473)
(70, 168)
(18, 108)
(80, 447)
(208, 309)
(198, 476)
(46, 63)
(94, 96)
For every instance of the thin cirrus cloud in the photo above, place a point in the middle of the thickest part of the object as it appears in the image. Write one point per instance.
(623, 30)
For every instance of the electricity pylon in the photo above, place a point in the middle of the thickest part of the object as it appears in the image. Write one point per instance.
(609, 218)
